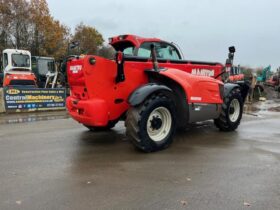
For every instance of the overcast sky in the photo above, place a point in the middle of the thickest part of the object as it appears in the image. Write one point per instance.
(204, 29)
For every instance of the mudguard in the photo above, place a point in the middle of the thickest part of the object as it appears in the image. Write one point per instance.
(141, 93)
(243, 86)
(228, 87)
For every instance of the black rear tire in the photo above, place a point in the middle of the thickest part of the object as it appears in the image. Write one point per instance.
(147, 131)
(226, 121)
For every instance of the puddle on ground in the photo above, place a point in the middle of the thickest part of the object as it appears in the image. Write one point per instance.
(274, 109)
(28, 118)
(262, 108)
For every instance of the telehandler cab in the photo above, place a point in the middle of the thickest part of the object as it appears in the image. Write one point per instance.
(153, 89)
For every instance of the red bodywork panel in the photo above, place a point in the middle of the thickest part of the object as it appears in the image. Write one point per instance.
(272, 81)
(135, 40)
(17, 78)
(235, 78)
(94, 92)
(199, 89)
(96, 98)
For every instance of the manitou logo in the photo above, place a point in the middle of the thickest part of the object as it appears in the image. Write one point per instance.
(75, 69)
(203, 72)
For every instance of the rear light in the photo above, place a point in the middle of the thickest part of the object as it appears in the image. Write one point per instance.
(80, 111)
(221, 89)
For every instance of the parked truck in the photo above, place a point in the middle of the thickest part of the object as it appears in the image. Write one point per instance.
(152, 88)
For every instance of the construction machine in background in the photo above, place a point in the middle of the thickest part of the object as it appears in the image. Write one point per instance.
(16, 68)
(48, 72)
(41, 66)
(274, 80)
(261, 81)
(236, 74)
(266, 73)
(277, 87)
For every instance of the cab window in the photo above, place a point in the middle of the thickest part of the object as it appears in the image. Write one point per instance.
(163, 51)
(166, 51)
(45, 66)
(20, 60)
(126, 47)
(128, 51)
(145, 50)
(5, 60)
(33, 63)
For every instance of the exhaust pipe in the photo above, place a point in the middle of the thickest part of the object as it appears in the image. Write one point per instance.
(154, 58)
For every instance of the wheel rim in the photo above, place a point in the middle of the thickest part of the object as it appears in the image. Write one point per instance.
(234, 110)
(159, 124)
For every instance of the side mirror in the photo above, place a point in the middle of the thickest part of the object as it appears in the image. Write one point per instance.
(154, 57)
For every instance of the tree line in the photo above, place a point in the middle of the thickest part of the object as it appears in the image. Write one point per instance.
(28, 24)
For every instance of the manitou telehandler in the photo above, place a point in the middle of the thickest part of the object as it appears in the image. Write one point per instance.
(153, 89)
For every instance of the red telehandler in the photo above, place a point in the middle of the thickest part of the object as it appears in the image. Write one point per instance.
(153, 89)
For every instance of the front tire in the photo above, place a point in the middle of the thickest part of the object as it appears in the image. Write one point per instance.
(151, 126)
(231, 113)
